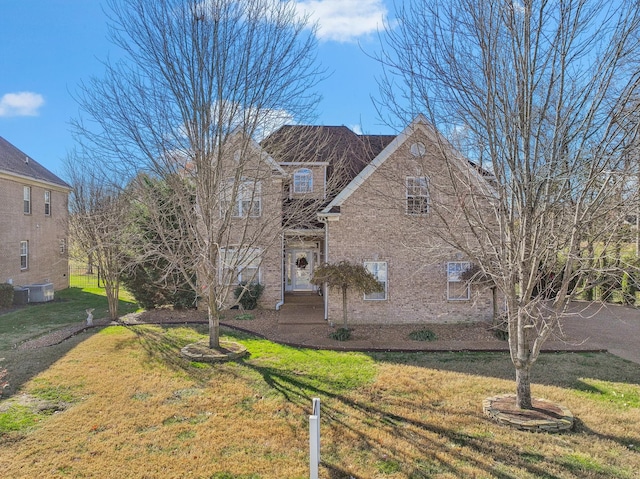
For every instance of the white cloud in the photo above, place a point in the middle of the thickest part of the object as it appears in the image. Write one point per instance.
(357, 129)
(344, 20)
(24, 103)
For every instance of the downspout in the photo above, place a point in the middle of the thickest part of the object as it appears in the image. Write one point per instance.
(282, 256)
(326, 260)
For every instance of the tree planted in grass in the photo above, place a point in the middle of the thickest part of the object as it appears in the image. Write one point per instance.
(344, 276)
(197, 83)
(543, 97)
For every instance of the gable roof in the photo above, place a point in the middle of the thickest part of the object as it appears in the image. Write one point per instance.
(420, 122)
(16, 163)
(345, 152)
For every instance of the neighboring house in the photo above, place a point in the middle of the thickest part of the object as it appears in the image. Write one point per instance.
(33, 221)
(368, 199)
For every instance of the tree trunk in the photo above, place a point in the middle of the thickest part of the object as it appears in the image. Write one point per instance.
(214, 321)
(344, 306)
(494, 301)
(523, 388)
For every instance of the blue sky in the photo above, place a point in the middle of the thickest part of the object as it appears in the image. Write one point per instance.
(47, 47)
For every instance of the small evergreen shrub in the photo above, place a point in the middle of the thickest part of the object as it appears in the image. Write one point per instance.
(244, 317)
(341, 334)
(423, 335)
(629, 288)
(248, 294)
(501, 327)
(501, 334)
(6, 295)
(150, 293)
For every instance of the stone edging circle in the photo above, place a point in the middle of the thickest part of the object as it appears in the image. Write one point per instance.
(545, 416)
(229, 351)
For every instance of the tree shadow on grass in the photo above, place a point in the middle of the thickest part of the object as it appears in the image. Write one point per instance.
(552, 369)
(23, 365)
(351, 418)
(442, 449)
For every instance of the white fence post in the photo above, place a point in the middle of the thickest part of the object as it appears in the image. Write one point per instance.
(314, 440)
(316, 412)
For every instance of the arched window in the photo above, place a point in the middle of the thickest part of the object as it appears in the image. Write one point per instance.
(303, 181)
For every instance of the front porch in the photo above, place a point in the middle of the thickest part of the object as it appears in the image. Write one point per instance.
(302, 254)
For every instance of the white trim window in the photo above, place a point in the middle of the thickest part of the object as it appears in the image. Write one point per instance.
(47, 203)
(26, 195)
(240, 265)
(417, 195)
(379, 270)
(24, 255)
(303, 181)
(457, 288)
(247, 199)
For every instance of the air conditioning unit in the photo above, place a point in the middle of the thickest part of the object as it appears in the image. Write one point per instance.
(40, 292)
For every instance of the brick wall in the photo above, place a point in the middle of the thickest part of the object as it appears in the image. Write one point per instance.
(262, 232)
(374, 226)
(45, 234)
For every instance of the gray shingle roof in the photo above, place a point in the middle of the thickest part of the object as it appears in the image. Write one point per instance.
(337, 145)
(14, 161)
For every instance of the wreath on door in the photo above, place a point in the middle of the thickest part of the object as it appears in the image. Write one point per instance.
(302, 262)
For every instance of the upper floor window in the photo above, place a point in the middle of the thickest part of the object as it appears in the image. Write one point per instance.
(24, 255)
(247, 201)
(379, 270)
(417, 195)
(457, 287)
(27, 200)
(303, 181)
(47, 203)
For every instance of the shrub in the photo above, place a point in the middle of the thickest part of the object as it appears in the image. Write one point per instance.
(248, 294)
(629, 288)
(423, 335)
(501, 334)
(6, 295)
(341, 334)
(150, 293)
(501, 327)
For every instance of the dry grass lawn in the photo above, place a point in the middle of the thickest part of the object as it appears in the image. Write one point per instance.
(122, 404)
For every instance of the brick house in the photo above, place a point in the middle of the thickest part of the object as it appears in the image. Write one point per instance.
(367, 199)
(33, 221)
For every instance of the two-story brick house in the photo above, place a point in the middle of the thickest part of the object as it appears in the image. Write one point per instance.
(33, 221)
(370, 199)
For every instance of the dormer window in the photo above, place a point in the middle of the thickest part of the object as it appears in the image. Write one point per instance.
(303, 181)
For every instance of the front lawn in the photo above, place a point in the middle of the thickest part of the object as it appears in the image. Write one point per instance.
(67, 308)
(122, 403)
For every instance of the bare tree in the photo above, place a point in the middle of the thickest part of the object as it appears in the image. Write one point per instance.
(535, 92)
(98, 222)
(200, 82)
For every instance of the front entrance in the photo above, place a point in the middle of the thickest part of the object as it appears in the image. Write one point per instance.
(300, 265)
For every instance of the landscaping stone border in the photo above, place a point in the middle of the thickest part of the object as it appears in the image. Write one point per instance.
(545, 416)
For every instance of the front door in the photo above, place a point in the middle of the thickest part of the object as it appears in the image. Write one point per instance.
(302, 270)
